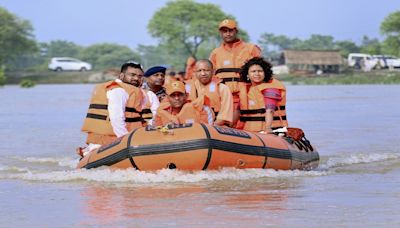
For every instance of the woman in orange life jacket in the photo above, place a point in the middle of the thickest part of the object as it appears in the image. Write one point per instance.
(262, 98)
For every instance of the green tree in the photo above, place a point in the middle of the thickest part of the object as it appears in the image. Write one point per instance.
(39, 60)
(16, 37)
(272, 45)
(153, 55)
(346, 47)
(103, 56)
(391, 45)
(2, 77)
(370, 46)
(183, 25)
(390, 27)
(61, 48)
(317, 42)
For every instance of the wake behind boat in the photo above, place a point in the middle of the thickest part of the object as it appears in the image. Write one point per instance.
(202, 147)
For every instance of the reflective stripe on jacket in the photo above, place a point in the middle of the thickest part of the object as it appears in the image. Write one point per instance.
(252, 106)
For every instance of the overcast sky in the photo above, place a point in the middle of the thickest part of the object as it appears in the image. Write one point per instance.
(86, 22)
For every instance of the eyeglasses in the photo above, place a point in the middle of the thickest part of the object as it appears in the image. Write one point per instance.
(134, 75)
(136, 64)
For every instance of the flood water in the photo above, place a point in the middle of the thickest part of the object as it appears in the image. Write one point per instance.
(355, 128)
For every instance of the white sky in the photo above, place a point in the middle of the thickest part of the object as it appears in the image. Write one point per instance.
(86, 22)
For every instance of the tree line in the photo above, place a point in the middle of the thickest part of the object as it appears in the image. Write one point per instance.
(183, 28)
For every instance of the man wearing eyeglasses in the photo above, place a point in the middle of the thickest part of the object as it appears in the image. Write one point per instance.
(150, 102)
(115, 108)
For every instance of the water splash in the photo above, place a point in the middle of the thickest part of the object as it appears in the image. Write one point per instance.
(107, 175)
(160, 176)
(360, 158)
(62, 162)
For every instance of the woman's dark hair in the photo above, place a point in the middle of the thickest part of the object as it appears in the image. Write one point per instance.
(265, 65)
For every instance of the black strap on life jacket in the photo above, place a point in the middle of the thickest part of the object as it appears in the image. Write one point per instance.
(104, 117)
(136, 119)
(261, 110)
(96, 116)
(104, 106)
(225, 80)
(98, 106)
(223, 70)
(230, 79)
(147, 111)
(129, 109)
(252, 111)
(259, 118)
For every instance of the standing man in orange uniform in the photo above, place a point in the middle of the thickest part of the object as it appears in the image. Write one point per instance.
(230, 57)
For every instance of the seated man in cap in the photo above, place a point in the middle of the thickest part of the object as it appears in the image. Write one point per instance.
(155, 77)
(179, 111)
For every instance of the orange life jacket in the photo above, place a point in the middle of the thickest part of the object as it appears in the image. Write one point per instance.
(229, 61)
(252, 106)
(97, 120)
(190, 65)
(188, 114)
(212, 97)
(146, 113)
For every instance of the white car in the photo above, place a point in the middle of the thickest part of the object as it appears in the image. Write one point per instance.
(361, 60)
(66, 63)
(387, 61)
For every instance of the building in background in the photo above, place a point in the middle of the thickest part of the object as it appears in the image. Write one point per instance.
(312, 61)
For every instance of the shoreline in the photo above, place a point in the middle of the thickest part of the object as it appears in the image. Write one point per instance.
(89, 77)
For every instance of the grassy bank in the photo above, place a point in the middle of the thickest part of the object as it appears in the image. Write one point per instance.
(49, 77)
(374, 77)
(52, 77)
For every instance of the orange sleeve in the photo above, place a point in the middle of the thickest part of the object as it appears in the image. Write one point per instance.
(190, 64)
(256, 52)
(226, 111)
(213, 58)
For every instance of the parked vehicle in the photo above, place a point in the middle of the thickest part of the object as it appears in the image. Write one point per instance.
(362, 61)
(387, 61)
(69, 64)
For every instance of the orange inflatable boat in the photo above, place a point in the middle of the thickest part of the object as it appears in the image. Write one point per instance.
(202, 147)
